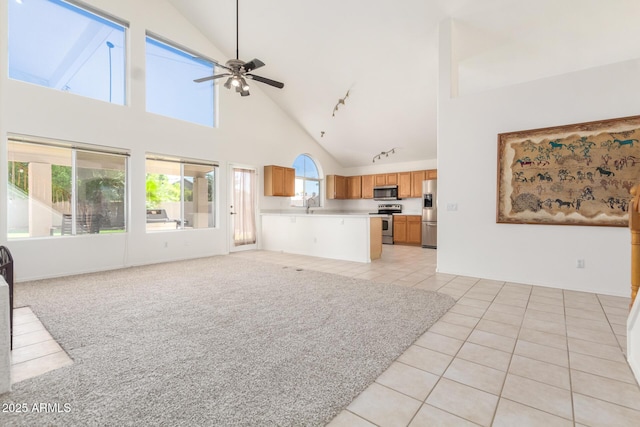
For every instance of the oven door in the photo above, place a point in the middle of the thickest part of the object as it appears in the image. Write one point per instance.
(387, 230)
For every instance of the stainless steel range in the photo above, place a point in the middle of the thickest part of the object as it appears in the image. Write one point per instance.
(387, 221)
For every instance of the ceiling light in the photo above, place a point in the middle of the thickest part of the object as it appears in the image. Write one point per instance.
(244, 85)
(228, 83)
(383, 153)
(235, 82)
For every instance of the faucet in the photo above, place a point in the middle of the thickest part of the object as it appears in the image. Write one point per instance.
(308, 208)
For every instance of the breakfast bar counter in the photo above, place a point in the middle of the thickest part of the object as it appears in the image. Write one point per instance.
(344, 236)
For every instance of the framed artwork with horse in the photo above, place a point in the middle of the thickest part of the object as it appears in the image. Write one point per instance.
(577, 174)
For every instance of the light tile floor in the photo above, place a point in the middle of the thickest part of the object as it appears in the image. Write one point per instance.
(34, 352)
(505, 355)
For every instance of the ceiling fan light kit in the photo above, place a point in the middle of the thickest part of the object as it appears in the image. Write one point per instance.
(238, 71)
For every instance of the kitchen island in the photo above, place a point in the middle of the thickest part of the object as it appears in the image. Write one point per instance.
(343, 236)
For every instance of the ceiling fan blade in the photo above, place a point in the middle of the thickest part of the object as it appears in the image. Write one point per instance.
(204, 79)
(266, 81)
(253, 64)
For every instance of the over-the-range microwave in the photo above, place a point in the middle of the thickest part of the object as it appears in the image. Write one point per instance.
(385, 192)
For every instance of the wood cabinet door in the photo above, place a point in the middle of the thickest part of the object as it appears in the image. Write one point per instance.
(399, 229)
(404, 184)
(341, 187)
(432, 174)
(278, 180)
(354, 187)
(289, 182)
(414, 229)
(380, 180)
(416, 183)
(392, 179)
(367, 186)
(336, 187)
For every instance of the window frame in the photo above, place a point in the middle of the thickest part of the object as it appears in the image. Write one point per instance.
(182, 162)
(319, 180)
(101, 17)
(73, 148)
(178, 49)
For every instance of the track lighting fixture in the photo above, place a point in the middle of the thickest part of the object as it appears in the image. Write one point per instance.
(383, 153)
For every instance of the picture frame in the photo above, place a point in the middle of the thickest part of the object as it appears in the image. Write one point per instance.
(578, 174)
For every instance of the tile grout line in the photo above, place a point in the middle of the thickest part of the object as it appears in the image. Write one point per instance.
(513, 350)
(453, 358)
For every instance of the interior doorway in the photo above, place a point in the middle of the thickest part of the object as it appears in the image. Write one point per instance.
(243, 207)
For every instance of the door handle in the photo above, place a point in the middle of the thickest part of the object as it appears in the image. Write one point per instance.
(232, 213)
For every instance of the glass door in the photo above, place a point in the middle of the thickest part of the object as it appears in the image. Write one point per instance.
(243, 208)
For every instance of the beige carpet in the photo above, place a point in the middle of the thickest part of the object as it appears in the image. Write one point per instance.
(216, 341)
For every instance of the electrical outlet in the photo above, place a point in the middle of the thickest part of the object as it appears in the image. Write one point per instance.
(580, 263)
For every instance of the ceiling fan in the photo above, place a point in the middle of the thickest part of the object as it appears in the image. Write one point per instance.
(239, 71)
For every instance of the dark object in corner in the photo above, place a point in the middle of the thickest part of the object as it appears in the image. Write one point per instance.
(6, 270)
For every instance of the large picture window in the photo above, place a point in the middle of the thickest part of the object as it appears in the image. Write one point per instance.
(62, 189)
(64, 46)
(307, 189)
(171, 90)
(180, 194)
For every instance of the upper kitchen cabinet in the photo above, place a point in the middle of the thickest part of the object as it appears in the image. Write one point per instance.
(279, 181)
(416, 182)
(392, 179)
(336, 187)
(404, 184)
(354, 187)
(385, 179)
(432, 174)
(367, 186)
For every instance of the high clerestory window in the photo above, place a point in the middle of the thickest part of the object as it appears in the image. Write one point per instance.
(307, 185)
(58, 188)
(69, 47)
(171, 90)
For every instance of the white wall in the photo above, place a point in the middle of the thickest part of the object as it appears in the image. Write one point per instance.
(252, 131)
(469, 240)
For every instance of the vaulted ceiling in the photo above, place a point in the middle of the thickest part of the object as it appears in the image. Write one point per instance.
(385, 54)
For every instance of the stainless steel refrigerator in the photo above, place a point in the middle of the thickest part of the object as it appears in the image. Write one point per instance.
(430, 214)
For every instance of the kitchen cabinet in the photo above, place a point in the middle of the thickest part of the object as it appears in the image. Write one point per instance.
(432, 174)
(404, 184)
(416, 183)
(380, 180)
(336, 187)
(399, 229)
(367, 186)
(279, 181)
(385, 179)
(414, 229)
(407, 229)
(354, 187)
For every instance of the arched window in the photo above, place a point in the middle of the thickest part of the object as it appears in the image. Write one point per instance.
(307, 182)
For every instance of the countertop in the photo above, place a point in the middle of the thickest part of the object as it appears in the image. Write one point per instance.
(318, 213)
